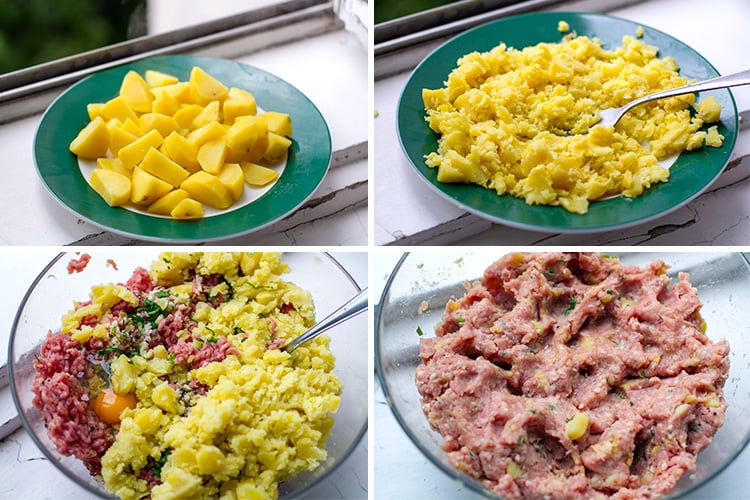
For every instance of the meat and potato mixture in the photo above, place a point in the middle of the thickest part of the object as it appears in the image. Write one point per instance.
(574, 376)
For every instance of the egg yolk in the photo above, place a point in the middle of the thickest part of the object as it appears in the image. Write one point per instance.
(108, 405)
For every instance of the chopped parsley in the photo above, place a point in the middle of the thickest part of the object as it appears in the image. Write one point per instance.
(460, 320)
(521, 439)
(419, 331)
(571, 305)
(158, 465)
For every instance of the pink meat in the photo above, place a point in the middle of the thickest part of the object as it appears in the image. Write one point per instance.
(545, 336)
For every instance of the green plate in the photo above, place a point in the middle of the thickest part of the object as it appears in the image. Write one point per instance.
(691, 173)
(307, 162)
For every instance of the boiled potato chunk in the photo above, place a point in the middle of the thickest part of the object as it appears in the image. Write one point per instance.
(211, 155)
(209, 113)
(277, 147)
(238, 103)
(182, 151)
(136, 92)
(118, 108)
(258, 175)
(187, 209)
(208, 189)
(278, 123)
(94, 109)
(165, 124)
(133, 153)
(233, 179)
(118, 136)
(146, 188)
(92, 141)
(261, 143)
(158, 79)
(208, 132)
(167, 203)
(156, 163)
(186, 114)
(113, 187)
(205, 88)
(242, 135)
(165, 103)
(114, 164)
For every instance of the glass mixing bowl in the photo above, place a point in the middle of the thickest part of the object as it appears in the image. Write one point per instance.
(421, 284)
(53, 293)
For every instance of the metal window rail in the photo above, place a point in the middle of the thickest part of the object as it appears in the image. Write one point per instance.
(30, 90)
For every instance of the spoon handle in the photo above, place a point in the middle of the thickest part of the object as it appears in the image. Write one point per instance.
(720, 82)
(354, 306)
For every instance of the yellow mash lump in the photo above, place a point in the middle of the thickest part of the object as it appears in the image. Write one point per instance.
(523, 121)
(265, 415)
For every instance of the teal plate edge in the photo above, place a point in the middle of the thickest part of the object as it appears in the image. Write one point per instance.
(691, 174)
(307, 163)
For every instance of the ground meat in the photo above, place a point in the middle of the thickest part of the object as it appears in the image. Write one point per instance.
(63, 400)
(79, 264)
(140, 281)
(545, 337)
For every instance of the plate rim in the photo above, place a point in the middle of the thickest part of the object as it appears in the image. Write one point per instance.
(215, 221)
(545, 228)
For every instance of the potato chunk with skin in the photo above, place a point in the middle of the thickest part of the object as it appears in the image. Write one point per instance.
(147, 188)
(156, 163)
(112, 186)
(92, 141)
(208, 189)
(258, 175)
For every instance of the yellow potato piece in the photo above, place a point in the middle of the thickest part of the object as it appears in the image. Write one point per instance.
(278, 123)
(209, 113)
(136, 92)
(133, 153)
(118, 108)
(261, 143)
(233, 178)
(165, 103)
(186, 114)
(258, 175)
(211, 155)
(118, 136)
(238, 103)
(158, 79)
(242, 135)
(187, 209)
(156, 163)
(114, 164)
(132, 127)
(180, 91)
(165, 124)
(113, 187)
(208, 189)
(277, 148)
(146, 188)
(205, 88)
(208, 132)
(92, 141)
(180, 150)
(94, 109)
(167, 203)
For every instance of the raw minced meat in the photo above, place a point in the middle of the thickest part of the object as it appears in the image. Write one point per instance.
(574, 376)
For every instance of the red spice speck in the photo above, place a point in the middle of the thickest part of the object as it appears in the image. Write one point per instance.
(111, 263)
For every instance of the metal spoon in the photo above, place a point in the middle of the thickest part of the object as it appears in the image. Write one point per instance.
(354, 306)
(610, 117)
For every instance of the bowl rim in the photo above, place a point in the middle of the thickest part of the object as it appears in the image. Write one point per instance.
(103, 493)
(470, 482)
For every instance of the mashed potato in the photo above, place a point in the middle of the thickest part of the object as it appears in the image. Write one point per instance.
(523, 121)
(221, 411)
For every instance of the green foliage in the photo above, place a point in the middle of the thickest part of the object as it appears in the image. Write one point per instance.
(37, 31)
(385, 10)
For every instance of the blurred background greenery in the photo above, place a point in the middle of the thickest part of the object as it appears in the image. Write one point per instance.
(36, 31)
